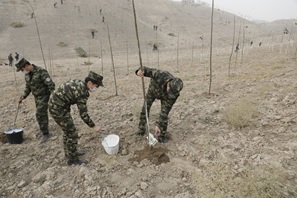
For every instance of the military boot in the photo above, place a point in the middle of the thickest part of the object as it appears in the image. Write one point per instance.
(44, 138)
(163, 139)
(76, 162)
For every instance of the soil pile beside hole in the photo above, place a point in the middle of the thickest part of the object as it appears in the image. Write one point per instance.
(3, 138)
(155, 155)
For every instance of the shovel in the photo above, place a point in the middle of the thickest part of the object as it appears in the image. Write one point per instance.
(152, 140)
(17, 112)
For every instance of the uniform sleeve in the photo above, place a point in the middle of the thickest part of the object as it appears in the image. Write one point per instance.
(48, 81)
(83, 111)
(149, 72)
(161, 77)
(27, 90)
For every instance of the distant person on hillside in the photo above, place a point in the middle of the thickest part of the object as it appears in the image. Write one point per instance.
(103, 19)
(165, 87)
(251, 43)
(93, 33)
(10, 59)
(237, 48)
(67, 94)
(40, 84)
(55, 4)
(32, 15)
(155, 47)
(260, 43)
(17, 56)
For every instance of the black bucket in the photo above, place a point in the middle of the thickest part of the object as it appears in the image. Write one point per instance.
(15, 135)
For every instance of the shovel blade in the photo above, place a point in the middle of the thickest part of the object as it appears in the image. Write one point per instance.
(152, 140)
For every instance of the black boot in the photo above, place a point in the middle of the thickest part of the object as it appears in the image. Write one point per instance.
(44, 138)
(76, 162)
(162, 139)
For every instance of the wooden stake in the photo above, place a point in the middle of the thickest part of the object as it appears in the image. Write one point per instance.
(114, 73)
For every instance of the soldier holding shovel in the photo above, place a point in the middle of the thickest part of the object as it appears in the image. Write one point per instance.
(40, 84)
(165, 87)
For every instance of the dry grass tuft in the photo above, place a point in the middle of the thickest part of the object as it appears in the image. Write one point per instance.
(62, 44)
(17, 24)
(267, 181)
(241, 113)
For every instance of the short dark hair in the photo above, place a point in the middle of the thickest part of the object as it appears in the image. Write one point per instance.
(87, 79)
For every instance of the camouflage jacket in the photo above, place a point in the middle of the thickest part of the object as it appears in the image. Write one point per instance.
(38, 82)
(158, 82)
(69, 93)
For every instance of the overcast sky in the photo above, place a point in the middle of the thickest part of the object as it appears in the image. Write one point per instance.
(268, 10)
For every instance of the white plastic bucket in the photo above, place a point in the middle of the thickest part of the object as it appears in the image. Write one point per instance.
(111, 144)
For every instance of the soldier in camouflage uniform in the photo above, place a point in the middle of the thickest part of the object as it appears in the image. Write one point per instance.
(39, 82)
(70, 93)
(165, 87)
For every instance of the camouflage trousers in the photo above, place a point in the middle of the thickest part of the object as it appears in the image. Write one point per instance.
(162, 122)
(41, 103)
(70, 137)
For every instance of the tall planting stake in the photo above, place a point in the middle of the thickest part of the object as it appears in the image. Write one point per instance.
(232, 47)
(210, 57)
(141, 66)
(114, 74)
(38, 36)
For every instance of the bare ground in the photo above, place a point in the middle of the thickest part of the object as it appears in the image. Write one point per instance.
(237, 141)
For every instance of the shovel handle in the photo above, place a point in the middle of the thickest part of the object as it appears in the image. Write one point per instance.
(17, 112)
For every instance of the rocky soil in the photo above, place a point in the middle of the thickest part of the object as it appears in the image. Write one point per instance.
(236, 139)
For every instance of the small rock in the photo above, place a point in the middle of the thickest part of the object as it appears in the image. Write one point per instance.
(139, 194)
(124, 152)
(22, 184)
(143, 185)
(39, 178)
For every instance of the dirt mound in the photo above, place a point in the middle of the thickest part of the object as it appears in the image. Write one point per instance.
(3, 138)
(155, 155)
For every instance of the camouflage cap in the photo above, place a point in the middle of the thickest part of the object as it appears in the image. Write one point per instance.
(176, 85)
(97, 78)
(21, 64)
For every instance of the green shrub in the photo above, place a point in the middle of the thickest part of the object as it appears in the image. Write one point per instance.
(81, 52)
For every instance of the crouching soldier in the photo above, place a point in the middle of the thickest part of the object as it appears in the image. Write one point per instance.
(67, 94)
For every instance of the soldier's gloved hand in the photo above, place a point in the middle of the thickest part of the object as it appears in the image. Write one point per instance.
(21, 99)
(157, 131)
(97, 128)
